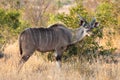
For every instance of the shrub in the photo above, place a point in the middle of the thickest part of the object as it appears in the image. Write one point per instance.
(10, 25)
(88, 48)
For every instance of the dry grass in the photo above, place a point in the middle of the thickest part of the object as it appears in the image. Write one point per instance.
(38, 69)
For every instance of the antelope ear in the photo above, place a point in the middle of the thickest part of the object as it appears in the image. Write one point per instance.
(82, 22)
(96, 24)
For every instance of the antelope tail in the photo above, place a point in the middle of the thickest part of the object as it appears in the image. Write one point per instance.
(20, 45)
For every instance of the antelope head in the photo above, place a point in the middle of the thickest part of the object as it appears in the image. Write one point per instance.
(84, 29)
(87, 27)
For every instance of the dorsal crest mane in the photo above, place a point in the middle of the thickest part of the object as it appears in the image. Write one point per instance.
(56, 25)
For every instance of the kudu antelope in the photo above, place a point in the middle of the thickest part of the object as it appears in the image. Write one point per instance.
(55, 38)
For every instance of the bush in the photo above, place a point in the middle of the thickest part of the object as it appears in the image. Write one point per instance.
(9, 18)
(88, 48)
(10, 25)
(106, 14)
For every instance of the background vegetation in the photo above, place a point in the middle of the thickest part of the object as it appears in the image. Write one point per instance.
(106, 14)
(98, 49)
(14, 18)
